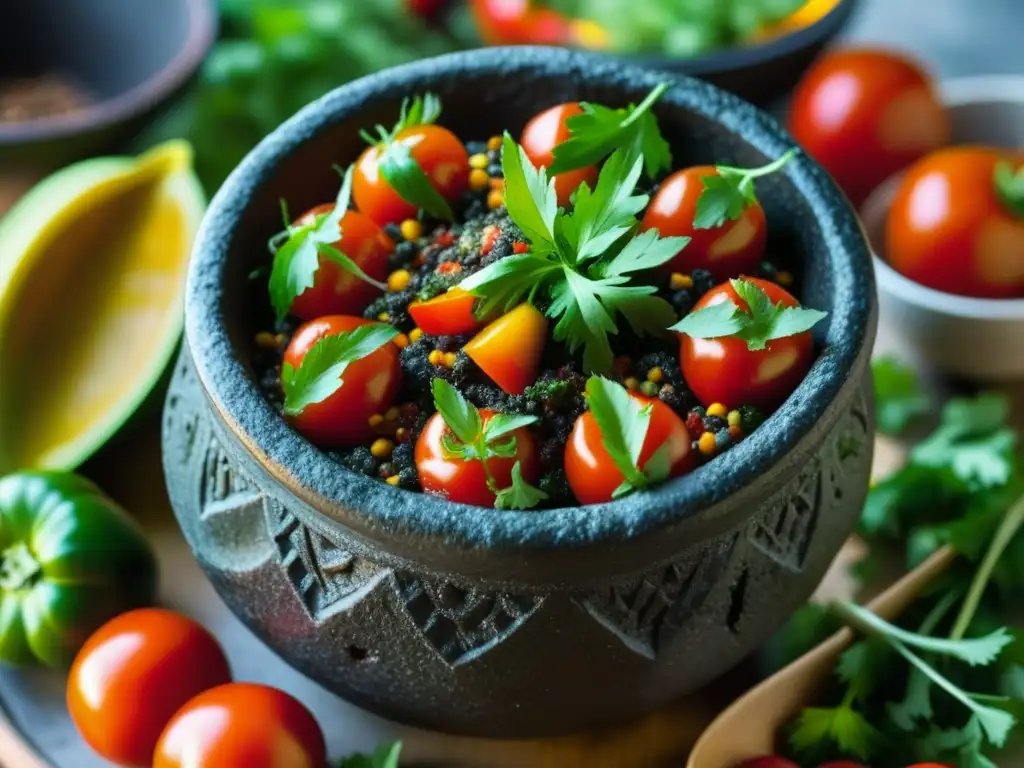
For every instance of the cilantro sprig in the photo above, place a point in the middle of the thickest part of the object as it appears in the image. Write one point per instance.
(731, 191)
(624, 422)
(322, 370)
(758, 324)
(473, 440)
(298, 249)
(600, 130)
(583, 260)
(899, 399)
(385, 756)
(396, 163)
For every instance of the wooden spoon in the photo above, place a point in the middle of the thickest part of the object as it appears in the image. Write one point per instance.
(749, 727)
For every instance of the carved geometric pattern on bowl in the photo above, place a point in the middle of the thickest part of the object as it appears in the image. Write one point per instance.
(646, 612)
(462, 624)
(182, 418)
(321, 573)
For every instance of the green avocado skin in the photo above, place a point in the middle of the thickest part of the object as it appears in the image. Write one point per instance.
(70, 560)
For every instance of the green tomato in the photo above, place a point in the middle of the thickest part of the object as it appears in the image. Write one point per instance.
(70, 560)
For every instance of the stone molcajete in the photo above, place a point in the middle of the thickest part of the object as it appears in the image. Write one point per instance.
(504, 623)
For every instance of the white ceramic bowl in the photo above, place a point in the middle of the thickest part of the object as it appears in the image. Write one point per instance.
(975, 339)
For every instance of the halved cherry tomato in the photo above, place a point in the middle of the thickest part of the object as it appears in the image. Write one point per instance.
(368, 386)
(540, 137)
(242, 724)
(509, 349)
(591, 472)
(336, 291)
(436, 150)
(768, 761)
(133, 674)
(449, 314)
(726, 371)
(727, 251)
(866, 114)
(465, 482)
(949, 229)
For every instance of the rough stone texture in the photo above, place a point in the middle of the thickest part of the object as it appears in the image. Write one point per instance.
(515, 623)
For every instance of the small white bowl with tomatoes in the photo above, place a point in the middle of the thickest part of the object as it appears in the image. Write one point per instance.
(948, 238)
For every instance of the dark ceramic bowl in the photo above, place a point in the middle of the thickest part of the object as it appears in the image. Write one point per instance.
(129, 57)
(763, 72)
(499, 623)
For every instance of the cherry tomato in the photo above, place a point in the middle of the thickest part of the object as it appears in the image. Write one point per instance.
(335, 290)
(865, 115)
(368, 386)
(726, 371)
(448, 314)
(133, 674)
(540, 137)
(768, 761)
(949, 230)
(426, 9)
(509, 349)
(465, 482)
(436, 150)
(242, 724)
(520, 22)
(591, 472)
(732, 249)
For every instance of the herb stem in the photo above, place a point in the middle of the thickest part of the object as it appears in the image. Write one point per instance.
(1009, 528)
(749, 174)
(645, 105)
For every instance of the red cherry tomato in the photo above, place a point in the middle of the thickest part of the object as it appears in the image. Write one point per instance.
(449, 314)
(727, 251)
(949, 230)
(591, 472)
(436, 150)
(520, 22)
(368, 386)
(336, 291)
(540, 137)
(465, 482)
(768, 761)
(133, 674)
(726, 371)
(865, 115)
(242, 724)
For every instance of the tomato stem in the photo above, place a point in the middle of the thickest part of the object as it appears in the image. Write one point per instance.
(18, 567)
(749, 174)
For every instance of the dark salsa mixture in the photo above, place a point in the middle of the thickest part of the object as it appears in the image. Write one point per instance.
(523, 325)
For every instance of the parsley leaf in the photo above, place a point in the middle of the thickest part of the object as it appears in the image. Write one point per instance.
(475, 441)
(757, 325)
(730, 192)
(842, 726)
(598, 131)
(972, 441)
(320, 374)
(530, 197)
(602, 217)
(503, 283)
(898, 396)
(297, 258)
(645, 251)
(404, 175)
(624, 422)
(385, 756)
(519, 495)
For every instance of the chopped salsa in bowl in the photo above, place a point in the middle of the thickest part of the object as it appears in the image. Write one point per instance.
(555, 320)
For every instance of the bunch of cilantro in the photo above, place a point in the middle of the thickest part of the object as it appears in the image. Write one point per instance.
(947, 684)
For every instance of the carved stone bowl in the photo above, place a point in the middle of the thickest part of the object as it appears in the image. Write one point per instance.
(497, 623)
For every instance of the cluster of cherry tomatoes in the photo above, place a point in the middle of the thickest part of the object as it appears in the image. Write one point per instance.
(956, 223)
(153, 688)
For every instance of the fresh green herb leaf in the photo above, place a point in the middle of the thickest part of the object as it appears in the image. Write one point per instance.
(385, 756)
(757, 325)
(503, 423)
(898, 396)
(861, 666)
(843, 726)
(461, 416)
(503, 283)
(604, 216)
(404, 175)
(729, 193)
(424, 110)
(1009, 184)
(644, 252)
(599, 131)
(519, 495)
(321, 373)
(530, 197)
